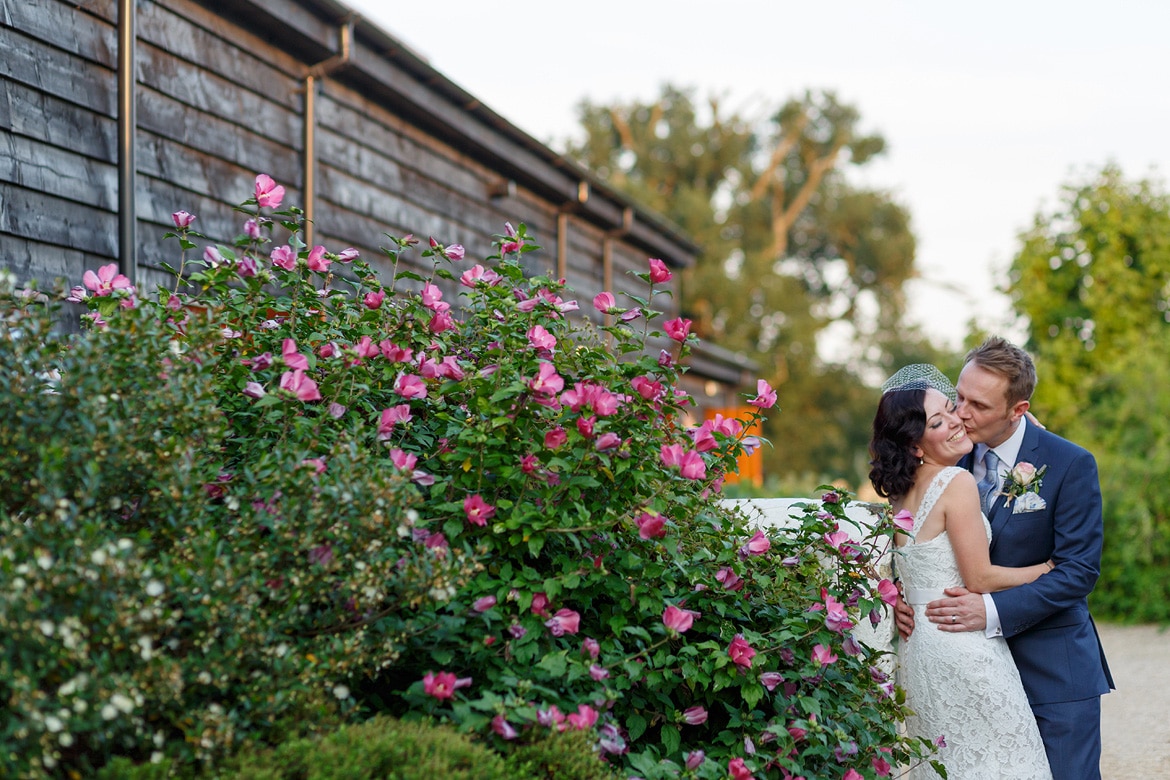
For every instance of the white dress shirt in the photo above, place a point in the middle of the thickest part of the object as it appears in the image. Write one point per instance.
(1007, 452)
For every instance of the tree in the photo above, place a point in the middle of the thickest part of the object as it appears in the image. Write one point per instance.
(789, 247)
(1092, 278)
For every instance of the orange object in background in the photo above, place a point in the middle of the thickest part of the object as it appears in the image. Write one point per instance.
(750, 467)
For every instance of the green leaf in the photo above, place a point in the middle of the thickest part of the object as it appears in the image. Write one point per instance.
(752, 693)
(555, 664)
(636, 726)
(671, 739)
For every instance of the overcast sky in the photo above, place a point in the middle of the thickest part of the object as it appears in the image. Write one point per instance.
(987, 109)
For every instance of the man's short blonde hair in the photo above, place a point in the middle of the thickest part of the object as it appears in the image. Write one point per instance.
(1000, 356)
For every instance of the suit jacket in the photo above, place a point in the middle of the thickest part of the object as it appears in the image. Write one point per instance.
(1046, 622)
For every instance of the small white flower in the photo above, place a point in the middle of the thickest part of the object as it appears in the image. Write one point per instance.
(122, 702)
(156, 757)
(65, 739)
(53, 724)
(341, 691)
(47, 627)
(204, 678)
(147, 646)
(45, 561)
(281, 650)
(124, 543)
(98, 557)
(109, 712)
(154, 588)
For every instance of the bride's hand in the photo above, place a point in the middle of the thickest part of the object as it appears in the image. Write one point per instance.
(903, 616)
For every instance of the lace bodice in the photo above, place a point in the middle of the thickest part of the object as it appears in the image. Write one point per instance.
(931, 564)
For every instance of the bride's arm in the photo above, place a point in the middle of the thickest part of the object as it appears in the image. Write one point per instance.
(964, 525)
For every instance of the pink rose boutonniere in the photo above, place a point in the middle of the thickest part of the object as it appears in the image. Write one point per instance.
(1021, 487)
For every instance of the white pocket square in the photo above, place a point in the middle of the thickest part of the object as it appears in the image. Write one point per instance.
(1029, 502)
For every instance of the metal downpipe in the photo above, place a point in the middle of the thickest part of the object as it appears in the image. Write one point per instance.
(127, 126)
(309, 157)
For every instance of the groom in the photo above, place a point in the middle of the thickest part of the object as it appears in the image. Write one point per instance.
(1046, 622)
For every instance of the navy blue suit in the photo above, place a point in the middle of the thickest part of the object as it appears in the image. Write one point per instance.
(1047, 622)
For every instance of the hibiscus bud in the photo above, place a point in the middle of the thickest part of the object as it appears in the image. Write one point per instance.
(659, 273)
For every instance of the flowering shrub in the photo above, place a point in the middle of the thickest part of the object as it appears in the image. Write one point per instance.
(311, 493)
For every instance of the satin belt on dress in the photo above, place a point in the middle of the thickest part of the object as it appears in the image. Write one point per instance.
(918, 596)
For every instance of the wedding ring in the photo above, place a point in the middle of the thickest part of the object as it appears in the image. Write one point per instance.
(954, 618)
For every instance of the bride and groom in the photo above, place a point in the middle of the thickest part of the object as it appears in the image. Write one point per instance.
(1000, 657)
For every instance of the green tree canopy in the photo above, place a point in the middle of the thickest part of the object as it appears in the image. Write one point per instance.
(1092, 279)
(790, 247)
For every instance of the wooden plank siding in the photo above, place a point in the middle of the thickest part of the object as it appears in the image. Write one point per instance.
(220, 97)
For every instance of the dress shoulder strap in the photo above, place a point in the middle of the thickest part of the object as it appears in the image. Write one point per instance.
(937, 487)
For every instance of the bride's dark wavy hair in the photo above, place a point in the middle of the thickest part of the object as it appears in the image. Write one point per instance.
(897, 427)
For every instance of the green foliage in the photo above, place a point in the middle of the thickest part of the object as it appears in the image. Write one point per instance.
(567, 756)
(388, 749)
(379, 748)
(789, 248)
(359, 503)
(1093, 280)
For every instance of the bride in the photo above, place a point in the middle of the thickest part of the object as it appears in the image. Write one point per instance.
(962, 687)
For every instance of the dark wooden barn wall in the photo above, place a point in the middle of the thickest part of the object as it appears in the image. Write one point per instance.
(218, 103)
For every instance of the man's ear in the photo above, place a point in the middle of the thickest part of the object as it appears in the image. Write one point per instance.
(1019, 409)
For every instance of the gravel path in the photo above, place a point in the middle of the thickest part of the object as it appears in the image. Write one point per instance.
(1135, 719)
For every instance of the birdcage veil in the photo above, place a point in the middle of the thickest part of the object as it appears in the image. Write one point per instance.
(920, 376)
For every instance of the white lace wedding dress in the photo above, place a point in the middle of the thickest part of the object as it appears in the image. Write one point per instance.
(963, 687)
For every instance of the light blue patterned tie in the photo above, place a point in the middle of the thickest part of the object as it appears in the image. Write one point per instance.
(987, 484)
